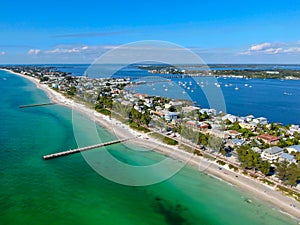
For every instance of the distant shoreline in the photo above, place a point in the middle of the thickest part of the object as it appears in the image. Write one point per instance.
(258, 190)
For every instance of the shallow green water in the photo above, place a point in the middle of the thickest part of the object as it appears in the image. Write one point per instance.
(68, 191)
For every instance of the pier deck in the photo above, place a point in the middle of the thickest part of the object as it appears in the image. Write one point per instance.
(36, 105)
(72, 151)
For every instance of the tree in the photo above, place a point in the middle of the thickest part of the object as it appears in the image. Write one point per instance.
(203, 139)
(145, 119)
(203, 116)
(172, 109)
(265, 167)
(281, 170)
(251, 160)
(235, 126)
(135, 116)
(227, 122)
(288, 173)
(71, 91)
(215, 143)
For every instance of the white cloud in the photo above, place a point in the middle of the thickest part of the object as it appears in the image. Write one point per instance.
(2, 53)
(34, 51)
(272, 48)
(292, 50)
(260, 47)
(68, 49)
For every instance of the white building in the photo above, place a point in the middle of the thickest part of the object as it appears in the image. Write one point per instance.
(230, 117)
(293, 129)
(210, 112)
(169, 116)
(261, 120)
(294, 148)
(287, 157)
(272, 153)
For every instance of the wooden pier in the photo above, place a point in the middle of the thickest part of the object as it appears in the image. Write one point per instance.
(69, 152)
(36, 105)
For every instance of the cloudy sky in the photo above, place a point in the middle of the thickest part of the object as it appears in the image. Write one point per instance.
(218, 31)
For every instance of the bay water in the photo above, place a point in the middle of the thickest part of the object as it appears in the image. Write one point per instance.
(68, 191)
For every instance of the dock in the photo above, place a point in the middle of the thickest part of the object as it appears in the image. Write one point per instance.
(73, 151)
(36, 105)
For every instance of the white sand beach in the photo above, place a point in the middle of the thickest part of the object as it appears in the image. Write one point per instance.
(248, 185)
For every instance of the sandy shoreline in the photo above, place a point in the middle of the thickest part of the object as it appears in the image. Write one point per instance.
(253, 187)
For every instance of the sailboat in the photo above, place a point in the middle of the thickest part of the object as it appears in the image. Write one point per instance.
(287, 93)
(236, 88)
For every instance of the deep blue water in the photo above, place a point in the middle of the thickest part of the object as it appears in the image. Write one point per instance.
(266, 97)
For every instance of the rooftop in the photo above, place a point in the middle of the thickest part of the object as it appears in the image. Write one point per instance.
(273, 150)
(296, 147)
(268, 137)
(287, 156)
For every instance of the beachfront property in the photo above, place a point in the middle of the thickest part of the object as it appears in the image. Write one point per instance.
(287, 157)
(256, 149)
(230, 117)
(235, 143)
(272, 153)
(197, 125)
(170, 116)
(260, 120)
(250, 126)
(249, 118)
(210, 112)
(293, 149)
(188, 109)
(269, 139)
(294, 129)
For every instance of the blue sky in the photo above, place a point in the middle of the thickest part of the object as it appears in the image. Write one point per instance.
(219, 31)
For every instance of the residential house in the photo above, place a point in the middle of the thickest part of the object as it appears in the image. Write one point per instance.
(294, 148)
(287, 157)
(169, 116)
(188, 109)
(269, 139)
(293, 129)
(256, 149)
(203, 126)
(272, 153)
(141, 96)
(192, 123)
(157, 113)
(249, 118)
(233, 133)
(261, 120)
(218, 133)
(210, 112)
(176, 103)
(237, 142)
(230, 117)
(250, 126)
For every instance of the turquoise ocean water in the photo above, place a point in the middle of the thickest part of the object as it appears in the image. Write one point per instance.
(67, 191)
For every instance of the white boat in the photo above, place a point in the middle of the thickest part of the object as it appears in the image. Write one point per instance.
(287, 93)
(236, 88)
